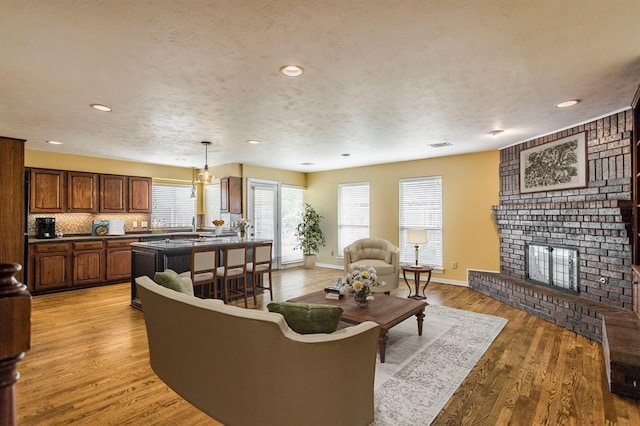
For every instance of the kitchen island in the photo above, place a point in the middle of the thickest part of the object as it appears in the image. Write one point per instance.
(150, 257)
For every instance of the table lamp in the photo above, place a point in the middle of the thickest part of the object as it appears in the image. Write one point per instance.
(417, 237)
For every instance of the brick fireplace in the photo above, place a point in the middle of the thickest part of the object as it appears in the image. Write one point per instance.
(596, 221)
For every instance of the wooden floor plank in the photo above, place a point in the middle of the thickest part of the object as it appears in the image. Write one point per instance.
(89, 365)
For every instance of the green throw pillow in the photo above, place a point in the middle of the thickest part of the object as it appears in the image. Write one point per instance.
(308, 318)
(170, 279)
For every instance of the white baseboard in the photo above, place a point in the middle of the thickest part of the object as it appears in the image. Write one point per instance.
(452, 282)
(330, 266)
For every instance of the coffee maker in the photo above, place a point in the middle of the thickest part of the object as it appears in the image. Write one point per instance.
(45, 227)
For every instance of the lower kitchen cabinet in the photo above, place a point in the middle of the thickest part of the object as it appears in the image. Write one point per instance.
(88, 262)
(52, 266)
(119, 259)
(58, 266)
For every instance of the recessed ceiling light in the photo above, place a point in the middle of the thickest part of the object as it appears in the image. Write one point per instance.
(307, 164)
(291, 70)
(496, 132)
(346, 154)
(54, 142)
(440, 145)
(253, 142)
(100, 107)
(566, 104)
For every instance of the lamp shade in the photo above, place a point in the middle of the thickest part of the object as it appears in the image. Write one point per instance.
(204, 176)
(416, 236)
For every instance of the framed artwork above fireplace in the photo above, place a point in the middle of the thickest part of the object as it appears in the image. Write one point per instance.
(554, 166)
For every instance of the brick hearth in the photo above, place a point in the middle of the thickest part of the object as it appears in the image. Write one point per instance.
(596, 220)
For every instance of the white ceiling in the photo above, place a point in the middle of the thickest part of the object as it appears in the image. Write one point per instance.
(383, 79)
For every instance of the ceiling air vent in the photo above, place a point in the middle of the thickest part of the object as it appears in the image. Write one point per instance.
(440, 145)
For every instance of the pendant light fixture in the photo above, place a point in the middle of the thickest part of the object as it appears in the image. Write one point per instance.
(204, 176)
(193, 195)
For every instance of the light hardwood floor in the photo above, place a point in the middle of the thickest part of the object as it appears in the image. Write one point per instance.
(88, 364)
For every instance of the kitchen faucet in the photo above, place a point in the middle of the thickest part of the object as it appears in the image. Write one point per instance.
(194, 228)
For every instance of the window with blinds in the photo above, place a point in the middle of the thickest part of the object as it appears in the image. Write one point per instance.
(291, 207)
(212, 206)
(421, 208)
(353, 213)
(172, 205)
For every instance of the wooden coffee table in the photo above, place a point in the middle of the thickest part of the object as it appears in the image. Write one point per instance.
(387, 311)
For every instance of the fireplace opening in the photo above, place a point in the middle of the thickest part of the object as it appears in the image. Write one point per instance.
(553, 266)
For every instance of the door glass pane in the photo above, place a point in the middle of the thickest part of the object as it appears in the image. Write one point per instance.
(291, 208)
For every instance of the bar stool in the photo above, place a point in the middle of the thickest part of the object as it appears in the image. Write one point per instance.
(233, 268)
(262, 261)
(203, 269)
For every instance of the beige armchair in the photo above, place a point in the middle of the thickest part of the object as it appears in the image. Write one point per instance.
(378, 253)
(246, 367)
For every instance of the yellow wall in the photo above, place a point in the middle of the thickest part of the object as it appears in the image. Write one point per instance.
(470, 187)
(53, 160)
(278, 175)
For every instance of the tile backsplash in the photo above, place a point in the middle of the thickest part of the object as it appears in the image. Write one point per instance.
(81, 223)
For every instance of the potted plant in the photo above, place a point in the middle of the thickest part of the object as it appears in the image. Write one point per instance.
(310, 236)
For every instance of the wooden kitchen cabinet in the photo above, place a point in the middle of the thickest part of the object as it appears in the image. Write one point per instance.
(88, 262)
(231, 194)
(139, 194)
(60, 191)
(119, 259)
(113, 194)
(82, 192)
(52, 266)
(47, 191)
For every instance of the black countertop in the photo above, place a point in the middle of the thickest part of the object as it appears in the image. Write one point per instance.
(133, 235)
(170, 244)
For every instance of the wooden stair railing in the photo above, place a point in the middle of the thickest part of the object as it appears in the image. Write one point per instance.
(15, 336)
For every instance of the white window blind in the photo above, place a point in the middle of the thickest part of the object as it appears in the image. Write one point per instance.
(353, 213)
(291, 207)
(172, 205)
(264, 212)
(421, 208)
(212, 206)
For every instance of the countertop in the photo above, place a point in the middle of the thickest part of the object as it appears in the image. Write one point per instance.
(169, 244)
(160, 235)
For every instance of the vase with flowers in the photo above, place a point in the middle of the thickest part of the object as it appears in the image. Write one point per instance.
(359, 283)
(243, 226)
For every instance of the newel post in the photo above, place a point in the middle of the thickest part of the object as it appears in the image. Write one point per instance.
(15, 336)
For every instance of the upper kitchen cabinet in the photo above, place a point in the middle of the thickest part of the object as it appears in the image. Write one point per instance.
(231, 194)
(47, 191)
(139, 194)
(113, 194)
(82, 192)
(61, 191)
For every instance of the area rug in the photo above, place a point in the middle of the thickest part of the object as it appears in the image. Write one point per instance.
(421, 373)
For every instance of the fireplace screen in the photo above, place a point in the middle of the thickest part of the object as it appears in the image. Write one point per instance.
(554, 266)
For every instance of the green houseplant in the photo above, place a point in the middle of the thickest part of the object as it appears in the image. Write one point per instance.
(309, 234)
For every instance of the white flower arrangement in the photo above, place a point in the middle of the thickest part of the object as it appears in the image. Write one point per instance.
(243, 224)
(360, 281)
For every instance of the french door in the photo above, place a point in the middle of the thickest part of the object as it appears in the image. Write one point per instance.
(263, 214)
(274, 210)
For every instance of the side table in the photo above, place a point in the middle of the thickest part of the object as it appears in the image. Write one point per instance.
(417, 270)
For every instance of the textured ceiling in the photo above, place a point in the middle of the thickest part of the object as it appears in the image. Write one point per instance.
(383, 80)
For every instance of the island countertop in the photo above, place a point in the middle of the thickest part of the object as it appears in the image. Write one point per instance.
(168, 245)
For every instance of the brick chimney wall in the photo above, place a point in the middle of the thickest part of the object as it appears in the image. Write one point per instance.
(596, 220)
